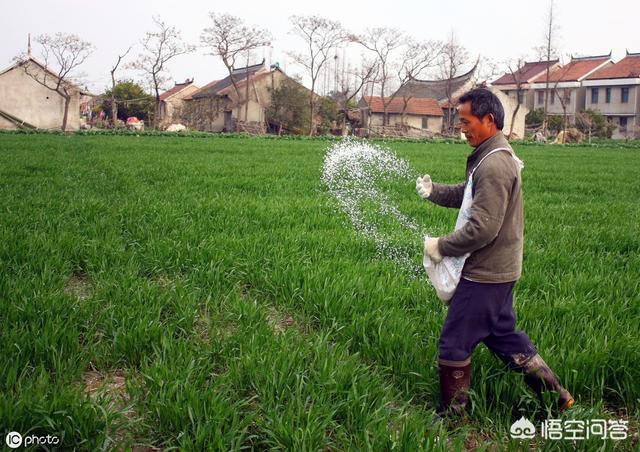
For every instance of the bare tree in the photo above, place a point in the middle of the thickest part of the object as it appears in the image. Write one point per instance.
(159, 47)
(416, 58)
(487, 69)
(452, 59)
(547, 51)
(586, 120)
(321, 36)
(564, 97)
(384, 43)
(114, 104)
(517, 74)
(367, 72)
(62, 54)
(230, 39)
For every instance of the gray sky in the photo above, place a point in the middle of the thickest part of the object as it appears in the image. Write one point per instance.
(498, 30)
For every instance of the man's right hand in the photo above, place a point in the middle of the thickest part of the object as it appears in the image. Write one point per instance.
(424, 186)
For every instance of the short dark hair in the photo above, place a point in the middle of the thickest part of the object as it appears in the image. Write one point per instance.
(484, 102)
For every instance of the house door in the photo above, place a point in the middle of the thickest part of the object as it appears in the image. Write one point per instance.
(228, 122)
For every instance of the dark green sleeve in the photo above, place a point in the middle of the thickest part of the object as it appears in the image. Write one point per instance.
(447, 195)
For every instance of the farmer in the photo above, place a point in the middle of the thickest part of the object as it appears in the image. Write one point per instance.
(481, 309)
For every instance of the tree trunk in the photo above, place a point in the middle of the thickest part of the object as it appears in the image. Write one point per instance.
(246, 97)
(311, 115)
(65, 116)
(114, 111)
(311, 106)
(546, 92)
(156, 113)
(114, 105)
(513, 119)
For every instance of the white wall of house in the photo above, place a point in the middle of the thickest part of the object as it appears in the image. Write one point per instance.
(527, 94)
(259, 96)
(576, 98)
(171, 108)
(434, 123)
(23, 97)
(615, 110)
(615, 106)
(509, 104)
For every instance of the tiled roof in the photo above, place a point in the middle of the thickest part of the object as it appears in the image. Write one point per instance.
(41, 66)
(525, 73)
(415, 106)
(205, 87)
(434, 89)
(628, 67)
(214, 88)
(573, 71)
(176, 89)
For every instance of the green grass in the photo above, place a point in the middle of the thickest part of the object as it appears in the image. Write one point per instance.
(218, 278)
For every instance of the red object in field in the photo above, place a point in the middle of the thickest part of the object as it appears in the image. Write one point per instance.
(131, 119)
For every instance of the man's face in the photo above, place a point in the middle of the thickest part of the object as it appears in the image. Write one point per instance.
(476, 130)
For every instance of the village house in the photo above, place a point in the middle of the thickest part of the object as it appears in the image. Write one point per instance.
(566, 85)
(27, 103)
(446, 92)
(614, 92)
(218, 107)
(414, 116)
(172, 102)
(517, 84)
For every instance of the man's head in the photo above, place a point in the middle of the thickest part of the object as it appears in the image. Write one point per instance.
(481, 115)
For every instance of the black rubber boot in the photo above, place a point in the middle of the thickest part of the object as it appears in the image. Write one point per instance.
(455, 381)
(539, 377)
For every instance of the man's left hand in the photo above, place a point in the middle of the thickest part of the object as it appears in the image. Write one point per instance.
(431, 249)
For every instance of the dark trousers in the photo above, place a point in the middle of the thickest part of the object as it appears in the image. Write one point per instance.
(482, 312)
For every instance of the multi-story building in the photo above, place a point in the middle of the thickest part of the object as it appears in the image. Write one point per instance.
(565, 87)
(517, 83)
(614, 91)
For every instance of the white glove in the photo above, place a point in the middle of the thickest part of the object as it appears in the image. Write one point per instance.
(424, 186)
(431, 249)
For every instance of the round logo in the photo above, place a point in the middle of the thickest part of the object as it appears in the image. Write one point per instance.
(13, 440)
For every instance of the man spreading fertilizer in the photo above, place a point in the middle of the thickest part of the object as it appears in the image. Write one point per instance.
(481, 309)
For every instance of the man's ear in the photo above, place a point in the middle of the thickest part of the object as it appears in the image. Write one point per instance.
(490, 118)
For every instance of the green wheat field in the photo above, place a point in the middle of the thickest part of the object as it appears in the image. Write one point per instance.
(181, 293)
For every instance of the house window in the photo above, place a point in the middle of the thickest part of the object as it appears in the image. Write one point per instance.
(552, 94)
(567, 96)
(594, 95)
(521, 97)
(540, 97)
(624, 95)
(425, 122)
(623, 123)
(607, 95)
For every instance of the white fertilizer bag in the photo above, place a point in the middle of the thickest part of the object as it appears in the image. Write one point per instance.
(445, 275)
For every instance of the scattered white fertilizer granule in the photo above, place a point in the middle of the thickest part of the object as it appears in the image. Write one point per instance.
(353, 172)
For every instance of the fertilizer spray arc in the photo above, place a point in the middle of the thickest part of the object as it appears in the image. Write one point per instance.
(353, 171)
